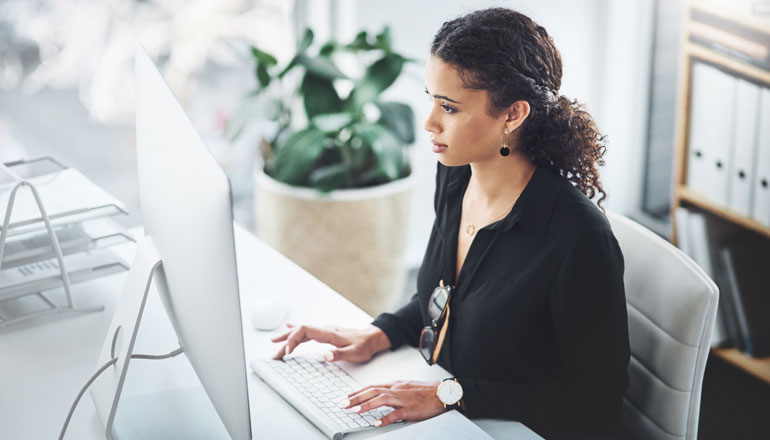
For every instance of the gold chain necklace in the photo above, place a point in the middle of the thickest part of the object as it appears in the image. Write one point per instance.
(470, 228)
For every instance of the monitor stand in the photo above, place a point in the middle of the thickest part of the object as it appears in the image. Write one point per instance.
(181, 413)
(185, 413)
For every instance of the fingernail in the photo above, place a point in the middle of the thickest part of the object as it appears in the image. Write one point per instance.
(286, 351)
(329, 356)
(344, 403)
(356, 408)
(377, 423)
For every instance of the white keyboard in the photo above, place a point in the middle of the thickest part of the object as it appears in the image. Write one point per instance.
(316, 388)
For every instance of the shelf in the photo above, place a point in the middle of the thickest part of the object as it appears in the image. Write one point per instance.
(69, 197)
(88, 235)
(695, 198)
(737, 11)
(720, 59)
(759, 367)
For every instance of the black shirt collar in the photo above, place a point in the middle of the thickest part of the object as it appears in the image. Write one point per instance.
(533, 209)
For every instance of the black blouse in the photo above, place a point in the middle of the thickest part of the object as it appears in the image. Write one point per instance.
(538, 331)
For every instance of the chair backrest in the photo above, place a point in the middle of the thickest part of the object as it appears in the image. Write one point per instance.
(672, 305)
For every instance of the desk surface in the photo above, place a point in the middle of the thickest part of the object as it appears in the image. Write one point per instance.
(45, 363)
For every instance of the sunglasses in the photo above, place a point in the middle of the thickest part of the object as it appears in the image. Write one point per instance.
(431, 339)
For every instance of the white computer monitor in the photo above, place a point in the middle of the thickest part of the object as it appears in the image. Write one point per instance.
(189, 251)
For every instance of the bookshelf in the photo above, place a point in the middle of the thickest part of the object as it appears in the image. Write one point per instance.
(760, 368)
(740, 14)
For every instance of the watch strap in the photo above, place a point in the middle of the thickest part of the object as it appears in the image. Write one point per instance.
(454, 406)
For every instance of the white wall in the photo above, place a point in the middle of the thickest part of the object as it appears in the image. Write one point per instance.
(602, 43)
(624, 99)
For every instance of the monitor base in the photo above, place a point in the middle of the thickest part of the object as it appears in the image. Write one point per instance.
(184, 413)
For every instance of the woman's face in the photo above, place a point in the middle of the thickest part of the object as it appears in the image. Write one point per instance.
(460, 128)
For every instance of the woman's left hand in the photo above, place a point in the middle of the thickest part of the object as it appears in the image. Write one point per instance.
(410, 400)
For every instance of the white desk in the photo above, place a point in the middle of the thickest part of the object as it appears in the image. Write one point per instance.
(44, 365)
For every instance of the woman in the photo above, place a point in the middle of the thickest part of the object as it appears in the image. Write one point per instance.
(534, 327)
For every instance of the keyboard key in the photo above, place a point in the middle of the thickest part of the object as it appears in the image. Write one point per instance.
(325, 385)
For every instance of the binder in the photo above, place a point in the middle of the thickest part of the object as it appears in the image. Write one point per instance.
(733, 298)
(744, 147)
(694, 241)
(727, 311)
(761, 203)
(711, 117)
(746, 265)
(700, 242)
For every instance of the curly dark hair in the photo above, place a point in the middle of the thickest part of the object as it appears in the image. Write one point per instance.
(512, 58)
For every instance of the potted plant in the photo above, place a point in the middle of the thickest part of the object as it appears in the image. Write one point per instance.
(334, 191)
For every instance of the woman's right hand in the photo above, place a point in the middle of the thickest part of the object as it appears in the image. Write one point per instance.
(352, 345)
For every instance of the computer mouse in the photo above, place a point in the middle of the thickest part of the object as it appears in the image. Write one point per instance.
(268, 313)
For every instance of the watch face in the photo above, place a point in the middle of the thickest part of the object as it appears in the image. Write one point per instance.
(450, 392)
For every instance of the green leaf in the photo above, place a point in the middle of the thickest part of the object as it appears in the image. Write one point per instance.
(367, 132)
(360, 42)
(320, 66)
(386, 147)
(399, 119)
(383, 40)
(332, 122)
(295, 158)
(319, 96)
(306, 41)
(390, 154)
(330, 177)
(291, 65)
(263, 57)
(328, 48)
(372, 176)
(262, 76)
(263, 61)
(378, 77)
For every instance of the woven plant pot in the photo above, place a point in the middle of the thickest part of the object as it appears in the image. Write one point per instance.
(352, 240)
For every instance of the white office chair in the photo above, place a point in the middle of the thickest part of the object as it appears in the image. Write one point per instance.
(672, 305)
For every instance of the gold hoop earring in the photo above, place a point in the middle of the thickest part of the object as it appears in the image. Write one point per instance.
(504, 150)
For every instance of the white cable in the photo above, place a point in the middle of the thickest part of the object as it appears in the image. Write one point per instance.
(100, 371)
(80, 394)
(156, 357)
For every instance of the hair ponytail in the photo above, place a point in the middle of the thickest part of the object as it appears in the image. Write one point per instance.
(564, 136)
